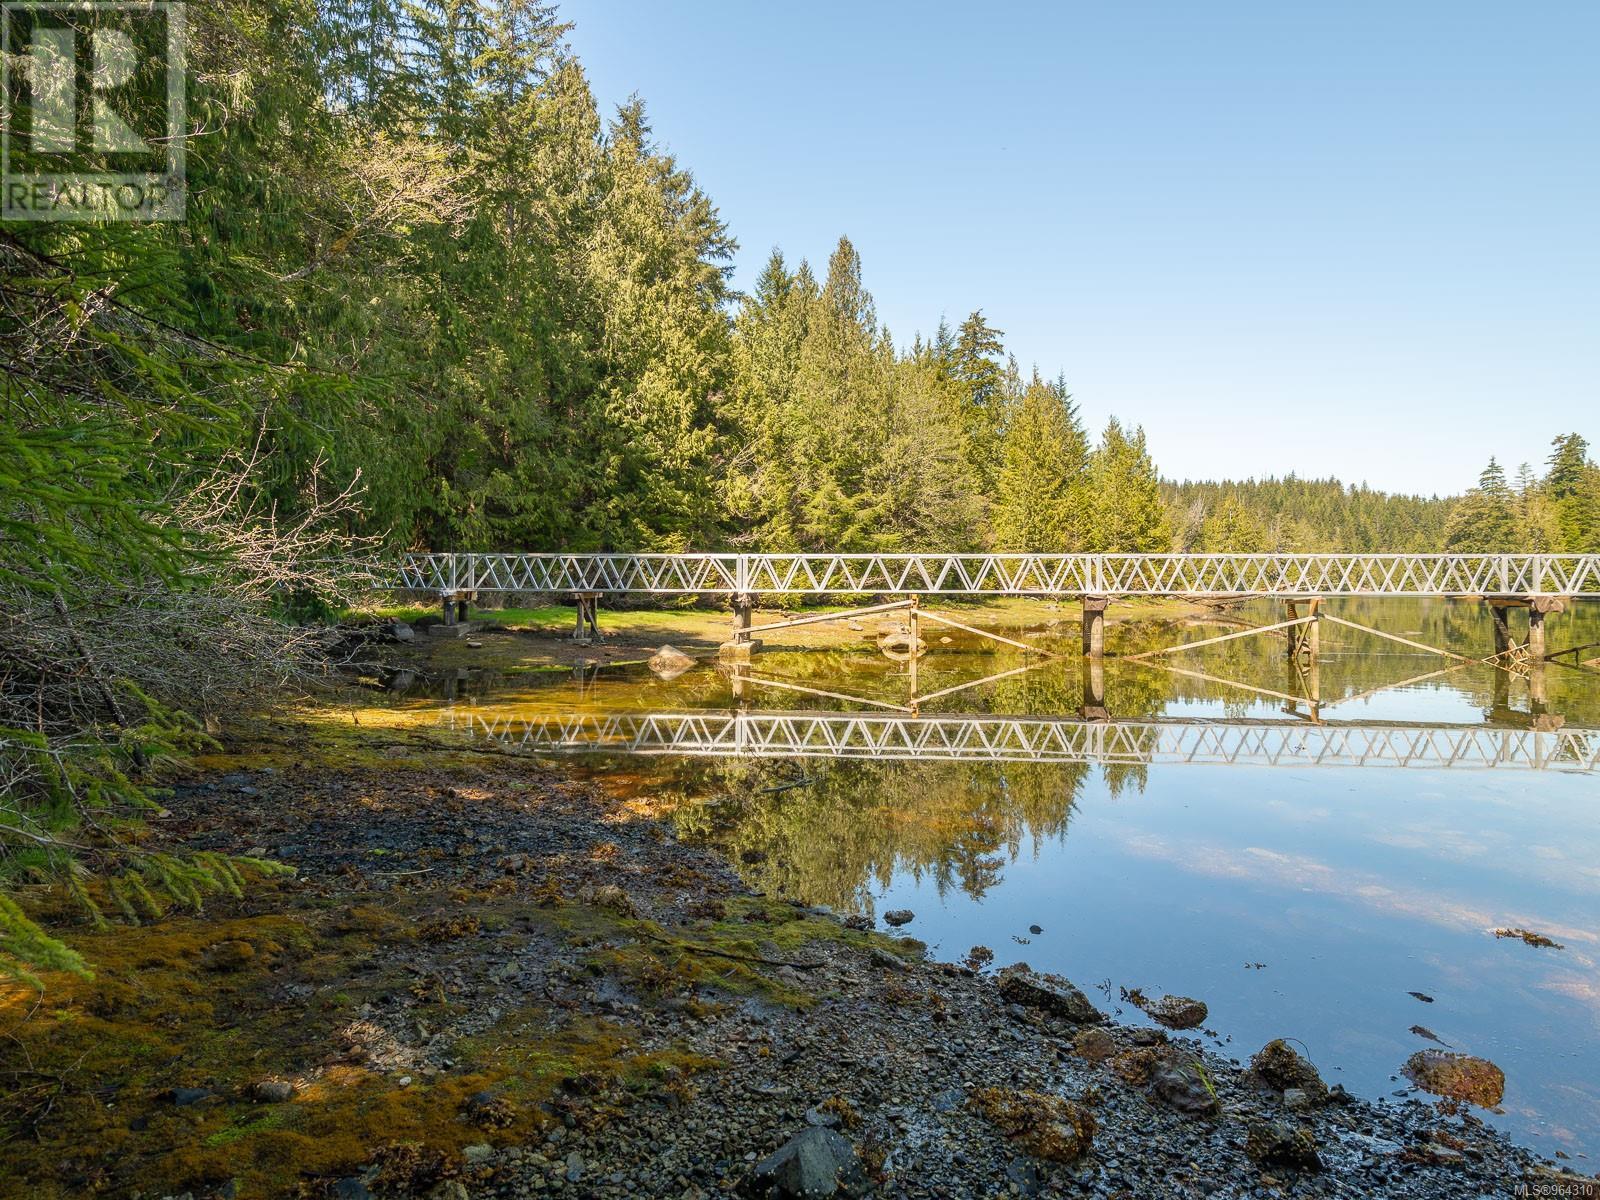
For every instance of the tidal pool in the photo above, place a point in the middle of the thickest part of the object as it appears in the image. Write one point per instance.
(1320, 856)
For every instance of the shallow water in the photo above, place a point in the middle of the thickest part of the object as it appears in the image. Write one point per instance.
(1303, 886)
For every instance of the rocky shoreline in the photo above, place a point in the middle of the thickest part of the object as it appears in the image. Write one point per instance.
(584, 1007)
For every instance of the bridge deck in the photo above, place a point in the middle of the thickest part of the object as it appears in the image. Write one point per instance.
(1525, 575)
(1038, 739)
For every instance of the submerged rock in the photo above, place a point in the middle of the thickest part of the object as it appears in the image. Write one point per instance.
(1281, 1067)
(1045, 1126)
(669, 662)
(1020, 984)
(1276, 1144)
(814, 1164)
(898, 917)
(1178, 1012)
(1457, 1076)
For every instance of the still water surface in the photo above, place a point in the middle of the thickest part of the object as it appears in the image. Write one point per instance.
(1298, 900)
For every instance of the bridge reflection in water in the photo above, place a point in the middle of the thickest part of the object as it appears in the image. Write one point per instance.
(848, 735)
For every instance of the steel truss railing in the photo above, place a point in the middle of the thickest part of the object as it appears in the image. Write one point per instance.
(1045, 740)
(1010, 574)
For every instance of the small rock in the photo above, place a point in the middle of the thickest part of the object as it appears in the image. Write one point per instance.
(450, 1189)
(350, 1188)
(1044, 1125)
(477, 1152)
(669, 662)
(1296, 1099)
(274, 1091)
(608, 896)
(882, 958)
(899, 916)
(227, 956)
(1275, 1144)
(401, 632)
(814, 1164)
(1035, 930)
(1186, 1090)
(1281, 1067)
(824, 1120)
(185, 1096)
(1178, 1012)
(574, 1167)
(1034, 989)
(1094, 1044)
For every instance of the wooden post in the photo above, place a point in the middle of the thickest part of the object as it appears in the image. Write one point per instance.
(462, 609)
(577, 634)
(449, 602)
(1313, 631)
(1094, 626)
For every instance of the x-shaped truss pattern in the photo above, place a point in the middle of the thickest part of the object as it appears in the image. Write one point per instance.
(1011, 574)
(1021, 739)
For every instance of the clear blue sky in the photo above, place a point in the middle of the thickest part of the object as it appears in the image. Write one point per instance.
(1347, 239)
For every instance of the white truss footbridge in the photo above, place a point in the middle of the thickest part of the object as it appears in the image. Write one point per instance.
(849, 735)
(1567, 575)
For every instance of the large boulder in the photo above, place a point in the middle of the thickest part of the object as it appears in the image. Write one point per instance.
(814, 1164)
(1457, 1076)
(669, 662)
(1022, 985)
(1045, 1126)
(1280, 1067)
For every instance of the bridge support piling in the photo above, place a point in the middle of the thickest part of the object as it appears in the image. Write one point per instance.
(1094, 690)
(1540, 607)
(740, 646)
(1094, 626)
(588, 627)
(448, 600)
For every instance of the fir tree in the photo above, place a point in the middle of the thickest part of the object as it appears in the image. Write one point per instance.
(1230, 529)
(1128, 513)
(1484, 521)
(1041, 490)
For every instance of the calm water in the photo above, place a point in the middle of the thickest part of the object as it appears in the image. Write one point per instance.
(1296, 900)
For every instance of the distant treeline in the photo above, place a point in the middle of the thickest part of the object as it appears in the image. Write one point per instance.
(1557, 511)
(1302, 514)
